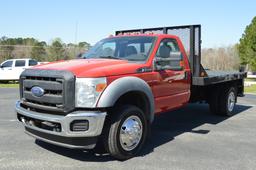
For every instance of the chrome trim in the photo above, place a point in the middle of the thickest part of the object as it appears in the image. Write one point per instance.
(131, 133)
(96, 121)
(231, 101)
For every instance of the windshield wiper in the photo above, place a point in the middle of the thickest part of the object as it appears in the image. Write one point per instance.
(111, 57)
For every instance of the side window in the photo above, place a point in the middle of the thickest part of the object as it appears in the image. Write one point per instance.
(20, 63)
(7, 64)
(170, 53)
(32, 62)
(167, 46)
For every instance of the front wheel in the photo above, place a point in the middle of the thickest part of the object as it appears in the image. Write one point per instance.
(127, 132)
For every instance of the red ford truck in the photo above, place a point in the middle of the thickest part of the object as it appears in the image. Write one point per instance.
(114, 92)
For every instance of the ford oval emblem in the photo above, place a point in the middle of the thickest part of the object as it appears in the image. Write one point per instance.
(37, 91)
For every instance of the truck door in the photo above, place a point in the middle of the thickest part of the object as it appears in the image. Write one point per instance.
(172, 87)
(19, 67)
(6, 70)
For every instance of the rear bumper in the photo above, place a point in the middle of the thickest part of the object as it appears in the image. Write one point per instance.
(64, 137)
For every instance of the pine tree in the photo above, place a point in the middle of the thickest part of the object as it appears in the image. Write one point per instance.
(247, 46)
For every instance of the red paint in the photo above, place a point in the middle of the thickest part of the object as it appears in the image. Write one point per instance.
(169, 87)
(94, 67)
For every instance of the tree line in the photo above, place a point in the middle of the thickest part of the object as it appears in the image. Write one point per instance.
(222, 58)
(32, 48)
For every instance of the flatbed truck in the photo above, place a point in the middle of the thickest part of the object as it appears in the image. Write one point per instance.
(113, 94)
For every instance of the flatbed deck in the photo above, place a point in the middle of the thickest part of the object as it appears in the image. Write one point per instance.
(215, 77)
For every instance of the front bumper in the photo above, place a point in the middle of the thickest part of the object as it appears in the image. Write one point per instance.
(65, 137)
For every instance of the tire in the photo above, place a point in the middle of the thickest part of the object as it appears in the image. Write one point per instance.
(220, 101)
(117, 141)
(227, 101)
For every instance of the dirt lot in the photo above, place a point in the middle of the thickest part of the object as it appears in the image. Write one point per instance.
(189, 138)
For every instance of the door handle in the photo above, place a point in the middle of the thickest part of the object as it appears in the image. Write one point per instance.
(186, 75)
(9, 69)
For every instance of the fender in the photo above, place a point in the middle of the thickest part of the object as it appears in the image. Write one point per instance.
(122, 86)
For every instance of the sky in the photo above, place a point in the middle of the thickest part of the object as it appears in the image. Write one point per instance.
(223, 22)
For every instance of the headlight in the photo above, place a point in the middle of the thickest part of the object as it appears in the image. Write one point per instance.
(88, 91)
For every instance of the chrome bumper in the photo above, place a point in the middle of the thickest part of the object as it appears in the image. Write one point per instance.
(95, 119)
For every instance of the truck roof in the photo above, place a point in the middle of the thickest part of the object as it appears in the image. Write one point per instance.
(17, 59)
(147, 35)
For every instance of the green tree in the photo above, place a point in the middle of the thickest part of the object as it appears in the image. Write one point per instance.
(84, 45)
(247, 46)
(56, 50)
(38, 51)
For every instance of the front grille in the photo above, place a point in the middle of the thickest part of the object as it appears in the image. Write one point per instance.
(58, 88)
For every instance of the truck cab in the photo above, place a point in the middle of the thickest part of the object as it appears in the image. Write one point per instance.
(159, 60)
(113, 94)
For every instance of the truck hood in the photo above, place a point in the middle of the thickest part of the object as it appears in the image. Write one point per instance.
(93, 67)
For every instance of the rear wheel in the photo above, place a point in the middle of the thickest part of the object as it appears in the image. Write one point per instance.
(223, 102)
(127, 132)
(228, 102)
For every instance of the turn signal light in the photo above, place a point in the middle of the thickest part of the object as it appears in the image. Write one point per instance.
(100, 87)
(182, 63)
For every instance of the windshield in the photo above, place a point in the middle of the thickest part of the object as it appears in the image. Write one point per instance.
(135, 48)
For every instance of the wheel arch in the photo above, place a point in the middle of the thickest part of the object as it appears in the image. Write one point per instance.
(129, 90)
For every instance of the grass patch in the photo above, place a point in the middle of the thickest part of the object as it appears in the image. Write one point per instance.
(7, 85)
(250, 79)
(250, 89)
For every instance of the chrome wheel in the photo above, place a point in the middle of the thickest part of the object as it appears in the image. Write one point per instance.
(131, 133)
(231, 101)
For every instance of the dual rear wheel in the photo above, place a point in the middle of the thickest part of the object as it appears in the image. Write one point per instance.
(222, 101)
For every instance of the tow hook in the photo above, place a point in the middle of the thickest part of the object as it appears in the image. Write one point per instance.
(44, 124)
(27, 122)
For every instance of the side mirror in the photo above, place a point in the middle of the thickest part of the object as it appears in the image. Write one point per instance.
(170, 63)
